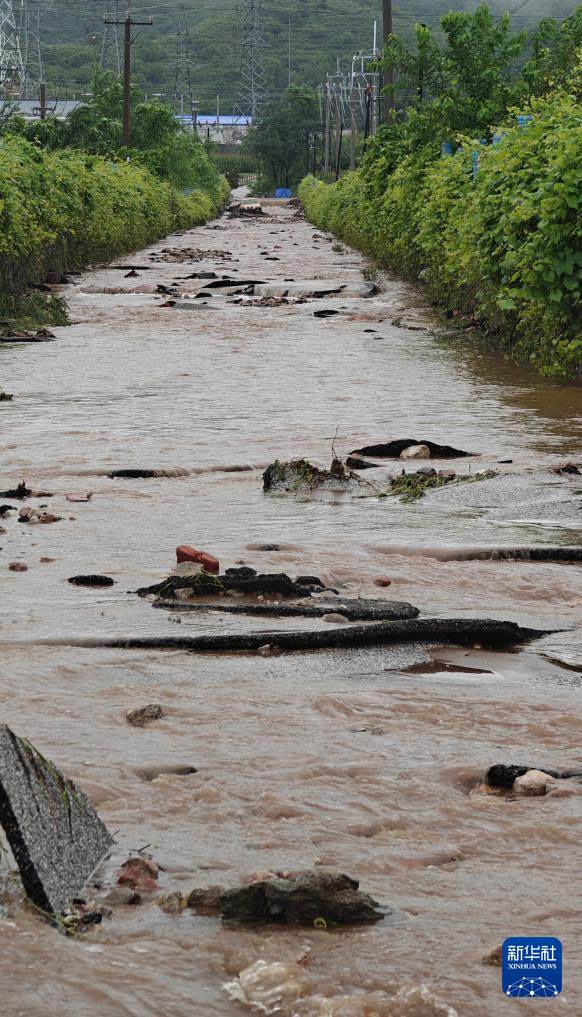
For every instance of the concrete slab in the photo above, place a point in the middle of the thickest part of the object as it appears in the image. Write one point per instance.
(55, 834)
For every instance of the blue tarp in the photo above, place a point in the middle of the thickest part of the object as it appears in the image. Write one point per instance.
(283, 192)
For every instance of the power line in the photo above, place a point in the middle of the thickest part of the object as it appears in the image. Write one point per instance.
(32, 58)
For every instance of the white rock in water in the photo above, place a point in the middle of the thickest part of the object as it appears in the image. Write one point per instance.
(534, 782)
(416, 452)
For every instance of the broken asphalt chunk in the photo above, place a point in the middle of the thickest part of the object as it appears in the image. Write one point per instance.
(394, 449)
(91, 581)
(55, 834)
(325, 898)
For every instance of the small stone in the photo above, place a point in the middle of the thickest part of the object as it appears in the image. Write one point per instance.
(427, 471)
(334, 618)
(172, 903)
(123, 895)
(503, 775)
(140, 874)
(207, 897)
(416, 452)
(18, 566)
(264, 650)
(184, 593)
(534, 782)
(46, 561)
(447, 475)
(382, 581)
(494, 958)
(144, 715)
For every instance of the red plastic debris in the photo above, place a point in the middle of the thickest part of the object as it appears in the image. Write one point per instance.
(208, 562)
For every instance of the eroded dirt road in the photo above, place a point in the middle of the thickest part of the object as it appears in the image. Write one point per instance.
(365, 761)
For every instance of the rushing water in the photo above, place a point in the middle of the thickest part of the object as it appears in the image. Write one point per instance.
(352, 760)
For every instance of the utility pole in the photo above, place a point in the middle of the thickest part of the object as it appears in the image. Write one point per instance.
(338, 132)
(353, 129)
(389, 75)
(128, 22)
(289, 52)
(42, 91)
(327, 140)
(31, 49)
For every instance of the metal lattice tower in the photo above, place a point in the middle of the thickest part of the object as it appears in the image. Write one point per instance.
(183, 82)
(252, 95)
(11, 65)
(110, 58)
(31, 49)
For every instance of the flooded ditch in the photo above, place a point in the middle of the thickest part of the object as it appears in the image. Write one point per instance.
(367, 760)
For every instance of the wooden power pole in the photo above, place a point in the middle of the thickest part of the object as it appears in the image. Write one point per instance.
(388, 104)
(128, 22)
(327, 131)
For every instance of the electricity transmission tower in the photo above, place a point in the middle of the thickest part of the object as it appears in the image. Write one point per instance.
(252, 94)
(183, 82)
(110, 58)
(31, 49)
(11, 65)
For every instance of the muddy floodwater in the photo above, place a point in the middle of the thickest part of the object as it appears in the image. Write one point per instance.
(367, 761)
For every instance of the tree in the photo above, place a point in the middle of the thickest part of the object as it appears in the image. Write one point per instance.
(281, 140)
(158, 140)
(468, 82)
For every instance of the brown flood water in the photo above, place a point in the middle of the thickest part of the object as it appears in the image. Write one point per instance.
(355, 760)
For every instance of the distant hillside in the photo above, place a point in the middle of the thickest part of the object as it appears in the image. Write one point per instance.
(321, 30)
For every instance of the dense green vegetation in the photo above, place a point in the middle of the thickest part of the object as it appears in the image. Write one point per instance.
(321, 30)
(64, 208)
(70, 195)
(504, 244)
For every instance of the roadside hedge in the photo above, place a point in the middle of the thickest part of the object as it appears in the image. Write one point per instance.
(505, 247)
(63, 209)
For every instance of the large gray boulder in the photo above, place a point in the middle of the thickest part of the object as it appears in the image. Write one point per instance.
(55, 834)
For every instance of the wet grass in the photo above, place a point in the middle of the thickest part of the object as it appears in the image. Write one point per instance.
(31, 311)
(412, 486)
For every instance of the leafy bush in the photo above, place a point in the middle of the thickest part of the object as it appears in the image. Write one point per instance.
(506, 246)
(62, 209)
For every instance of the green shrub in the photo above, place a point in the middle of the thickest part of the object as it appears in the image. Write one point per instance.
(63, 209)
(506, 246)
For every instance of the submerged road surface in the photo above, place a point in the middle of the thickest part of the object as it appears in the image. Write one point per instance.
(368, 761)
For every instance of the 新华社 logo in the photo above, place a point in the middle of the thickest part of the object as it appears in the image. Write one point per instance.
(532, 966)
